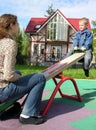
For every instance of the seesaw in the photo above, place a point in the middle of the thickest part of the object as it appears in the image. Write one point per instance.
(58, 67)
(55, 72)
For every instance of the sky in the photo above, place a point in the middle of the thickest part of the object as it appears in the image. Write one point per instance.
(27, 9)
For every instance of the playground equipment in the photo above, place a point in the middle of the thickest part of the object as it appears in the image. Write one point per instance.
(55, 72)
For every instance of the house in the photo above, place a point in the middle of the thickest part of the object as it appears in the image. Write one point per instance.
(51, 38)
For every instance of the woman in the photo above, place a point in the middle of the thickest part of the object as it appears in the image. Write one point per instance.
(12, 85)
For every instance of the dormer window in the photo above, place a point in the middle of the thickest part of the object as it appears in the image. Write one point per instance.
(37, 26)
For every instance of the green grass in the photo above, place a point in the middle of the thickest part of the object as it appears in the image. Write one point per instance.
(25, 69)
(75, 73)
(79, 73)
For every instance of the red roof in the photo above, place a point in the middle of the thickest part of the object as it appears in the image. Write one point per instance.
(33, 22)
(74, 22)
(40, 21)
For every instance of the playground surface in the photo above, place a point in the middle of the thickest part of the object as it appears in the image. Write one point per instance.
(64, 114)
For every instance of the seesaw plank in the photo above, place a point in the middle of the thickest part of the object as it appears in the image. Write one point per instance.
(58, 67)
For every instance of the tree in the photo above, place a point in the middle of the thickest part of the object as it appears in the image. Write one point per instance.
(94, 26)
(94, 40)
(22, 41)
(50, 11)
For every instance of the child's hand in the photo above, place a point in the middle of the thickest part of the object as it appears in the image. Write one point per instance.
(83, 48)
(75, 48)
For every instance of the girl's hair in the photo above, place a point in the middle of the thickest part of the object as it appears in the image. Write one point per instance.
(5, 21)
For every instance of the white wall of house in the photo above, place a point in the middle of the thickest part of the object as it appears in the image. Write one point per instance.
(57, 34)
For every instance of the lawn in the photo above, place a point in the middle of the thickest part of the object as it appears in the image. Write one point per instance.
(76, 73)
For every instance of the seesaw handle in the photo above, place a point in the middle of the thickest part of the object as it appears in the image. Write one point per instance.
(78, 50)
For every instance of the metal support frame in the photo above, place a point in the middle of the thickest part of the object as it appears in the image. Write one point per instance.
(57, 89)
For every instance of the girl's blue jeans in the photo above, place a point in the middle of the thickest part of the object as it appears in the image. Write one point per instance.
(32, 85)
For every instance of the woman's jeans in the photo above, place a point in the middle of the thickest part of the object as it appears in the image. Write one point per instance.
(86, 60)
(32, 85)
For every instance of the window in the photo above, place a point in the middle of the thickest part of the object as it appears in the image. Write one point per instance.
(57, 29)
(42, 48)
(37, 26)
(56, 53)
(36, 49)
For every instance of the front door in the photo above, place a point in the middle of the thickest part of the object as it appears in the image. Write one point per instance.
(56, 53)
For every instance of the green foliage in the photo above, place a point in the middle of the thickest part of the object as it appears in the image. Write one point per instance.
(94, 40)
(94, 48)
(94, 26)
(25, 42)
(22, 40)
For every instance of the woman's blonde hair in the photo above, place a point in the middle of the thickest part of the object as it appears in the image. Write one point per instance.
(5, 21)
